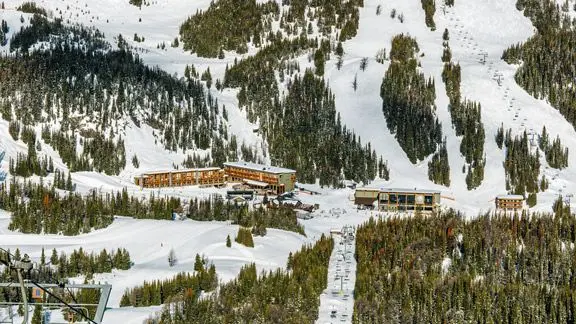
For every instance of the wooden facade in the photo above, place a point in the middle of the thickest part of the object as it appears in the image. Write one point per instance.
(509, 202)
(275, 179)
(398, 200)
(178, 178)
(366, 197)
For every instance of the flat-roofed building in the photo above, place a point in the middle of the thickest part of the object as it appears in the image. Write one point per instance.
(185, 177)
(509, 202)
(366, 197)
(396, 199)
(275, 179)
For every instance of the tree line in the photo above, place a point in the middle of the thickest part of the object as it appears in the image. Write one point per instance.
(217, 209)
(75, 79)
(556, 154)
(32, 8)
(547, 65)
(312, 141)
(287, 296)
(38, 209)
(450, 269)
(56, 267)
(160, 292)
(522, 167)
(228, 25)
(408, 101)
(466, 118)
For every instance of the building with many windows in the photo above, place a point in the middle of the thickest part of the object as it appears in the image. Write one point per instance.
(509, 202)
(398, 200)
(263, 177)
(186, 177)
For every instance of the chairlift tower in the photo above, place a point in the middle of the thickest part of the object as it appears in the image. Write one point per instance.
(23, 268)
(532, 138)
(2, 173)
(19, 266)
(567, 199)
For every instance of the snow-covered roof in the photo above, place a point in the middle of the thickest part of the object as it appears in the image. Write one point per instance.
(181, 171)
(405, 190)
(255, 183)
(259, 167)
(517, 197)
(367, 189)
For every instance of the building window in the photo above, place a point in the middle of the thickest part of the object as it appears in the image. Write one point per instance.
(410, 199)
(402, 199)
(393, 199)
(428, 199)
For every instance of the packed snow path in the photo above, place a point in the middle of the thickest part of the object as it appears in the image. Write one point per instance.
(337, 301)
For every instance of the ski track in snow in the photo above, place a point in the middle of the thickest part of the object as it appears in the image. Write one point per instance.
(476, 29)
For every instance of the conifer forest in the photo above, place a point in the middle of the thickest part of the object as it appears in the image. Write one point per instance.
(288, 161)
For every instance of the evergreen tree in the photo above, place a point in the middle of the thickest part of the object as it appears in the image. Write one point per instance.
(135, 161)
(500, 136)
(439, 168)
(445, 35)
(198, 263)
(54, 257)
(429, 9)
(319, 62)
(228, 241)
(531, 201)
(339, 49)
(37, 315)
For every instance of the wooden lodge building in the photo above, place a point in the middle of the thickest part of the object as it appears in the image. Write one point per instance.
(509, 202)
(186, 177)
(398, 200)
(263, 177)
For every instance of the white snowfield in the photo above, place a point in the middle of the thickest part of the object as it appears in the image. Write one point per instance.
(477, 29)
(149, 242)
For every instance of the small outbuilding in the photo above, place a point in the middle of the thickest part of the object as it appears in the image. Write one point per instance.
(509, 202)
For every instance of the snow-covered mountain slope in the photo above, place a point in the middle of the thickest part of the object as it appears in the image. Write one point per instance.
(149, 242)
(476, 29)
(362, 109)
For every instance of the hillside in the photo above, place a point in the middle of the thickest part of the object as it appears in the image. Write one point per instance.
(360, 109)
(451, 96)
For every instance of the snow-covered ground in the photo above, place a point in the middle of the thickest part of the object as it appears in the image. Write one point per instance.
(337, 301)
(477, 28)
(149, 242)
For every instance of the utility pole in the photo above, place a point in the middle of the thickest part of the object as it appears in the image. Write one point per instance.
(24, 265)
(24, 295)
(20, 266)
